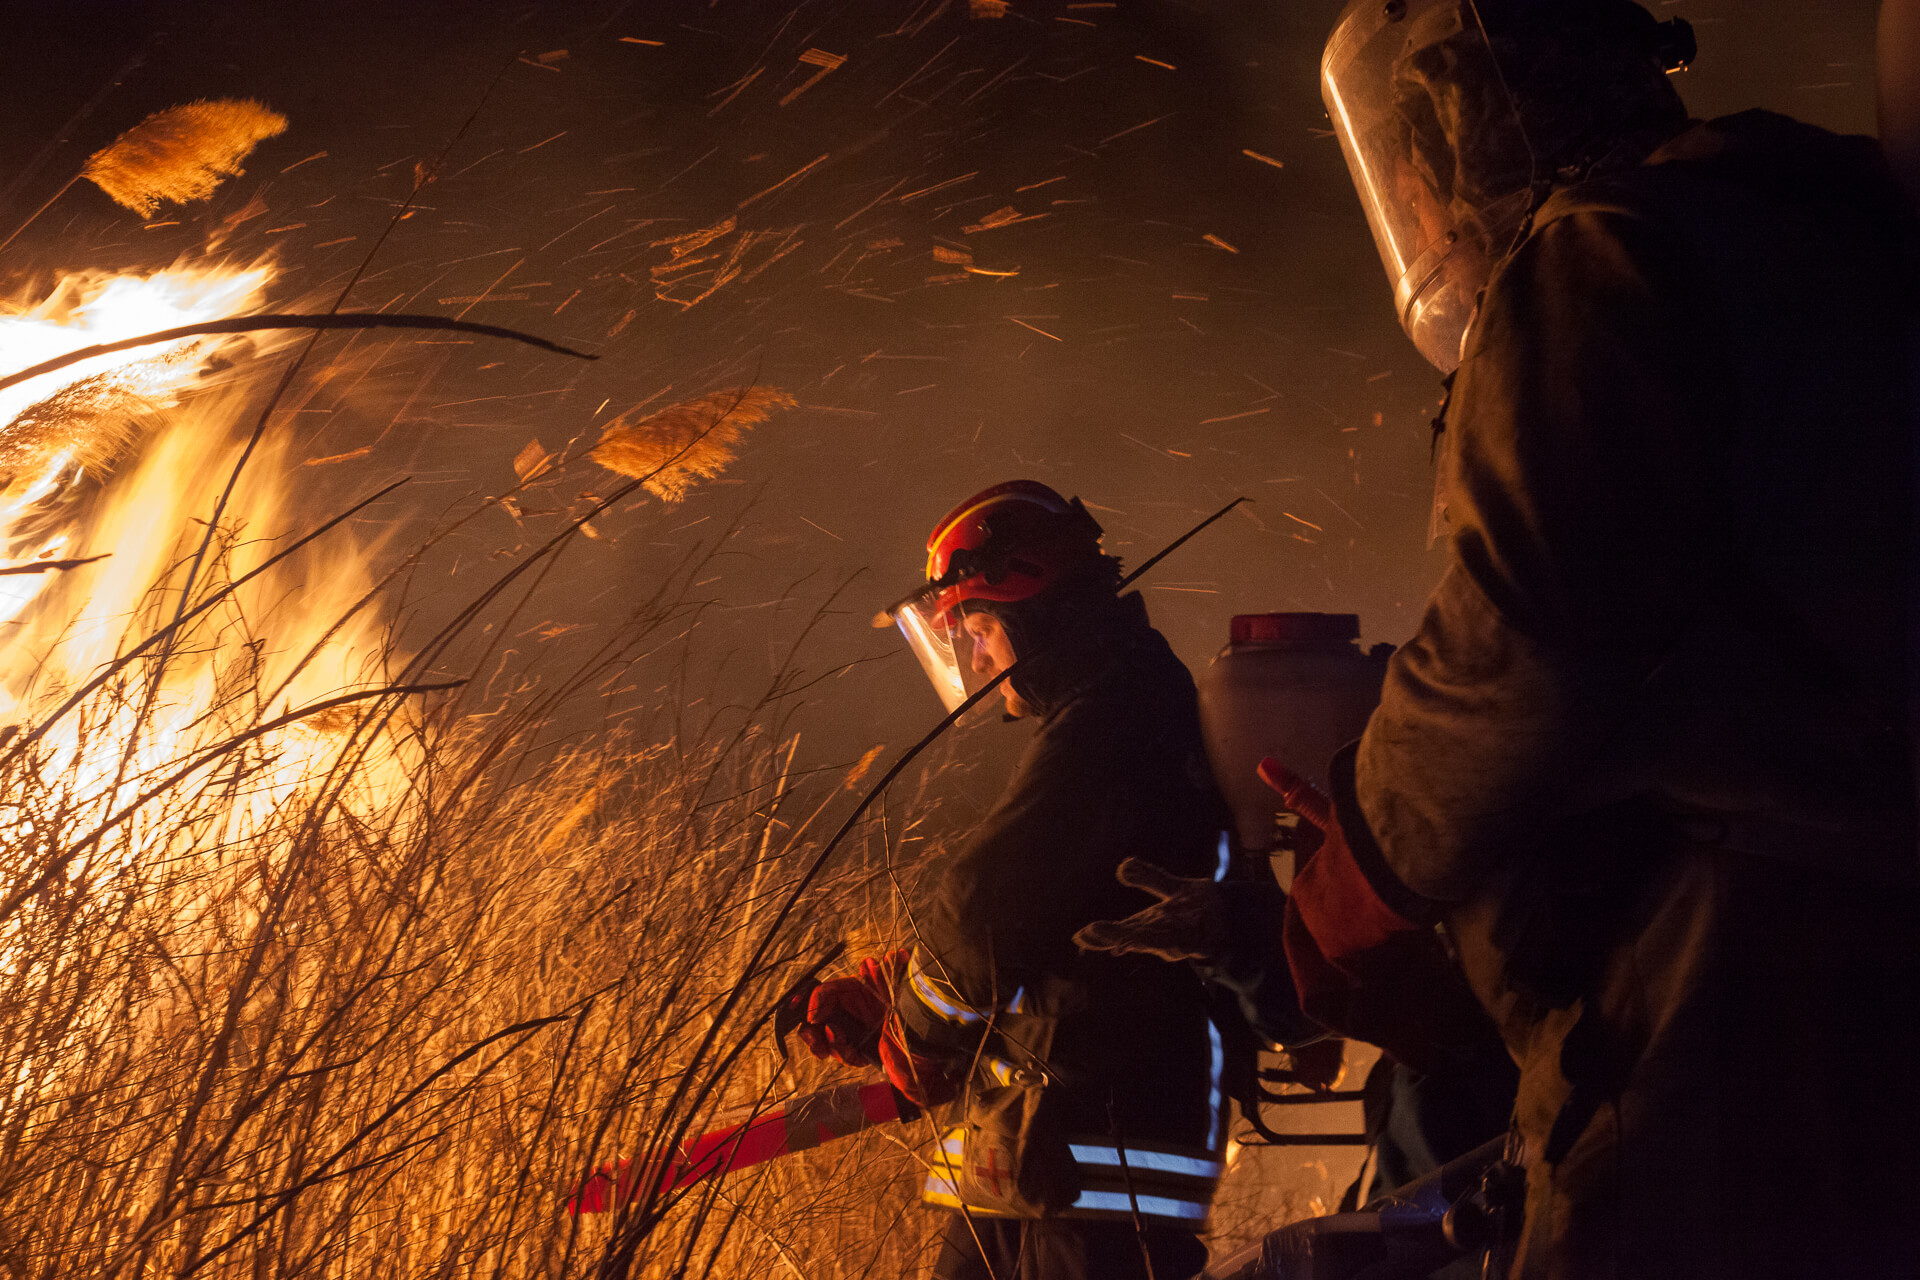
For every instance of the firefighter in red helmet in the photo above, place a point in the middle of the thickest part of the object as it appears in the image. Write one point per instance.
(1004, 546)
(1085, 1133)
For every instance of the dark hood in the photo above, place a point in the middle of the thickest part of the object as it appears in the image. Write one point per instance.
(1065, 640)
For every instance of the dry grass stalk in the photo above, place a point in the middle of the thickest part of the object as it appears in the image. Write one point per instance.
(181, 154)
(373, 1031)
(91, 421)
(689, 441)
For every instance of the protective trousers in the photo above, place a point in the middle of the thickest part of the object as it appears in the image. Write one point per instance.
(1733, 1098)
(1064, 1249)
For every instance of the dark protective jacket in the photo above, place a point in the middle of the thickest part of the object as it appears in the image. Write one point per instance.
(1677, 475)
(1646, 755)
(1123, 1044)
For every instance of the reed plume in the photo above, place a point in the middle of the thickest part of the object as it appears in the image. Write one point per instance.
(91, 422)
(181, 154)
(689, 441)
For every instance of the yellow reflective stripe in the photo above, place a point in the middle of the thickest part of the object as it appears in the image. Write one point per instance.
(939, 1191)
(931, 996)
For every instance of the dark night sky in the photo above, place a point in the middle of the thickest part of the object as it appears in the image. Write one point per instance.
(1184, 323)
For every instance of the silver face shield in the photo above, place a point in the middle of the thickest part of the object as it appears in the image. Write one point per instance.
(1437, 151)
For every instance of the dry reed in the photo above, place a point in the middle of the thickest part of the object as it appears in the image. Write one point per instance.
(378, 1028)
(181, 154)
(91, 422)
(689, 441)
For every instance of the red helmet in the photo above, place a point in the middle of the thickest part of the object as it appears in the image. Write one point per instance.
(1009, 542)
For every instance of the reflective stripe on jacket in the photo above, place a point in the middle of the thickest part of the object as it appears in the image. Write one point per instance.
(1163, 1182)
(996, 992)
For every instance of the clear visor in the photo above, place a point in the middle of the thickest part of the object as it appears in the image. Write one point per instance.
(946, 662)
(1437, 151)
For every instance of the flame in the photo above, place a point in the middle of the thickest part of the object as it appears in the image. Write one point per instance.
(293, 637)
(92, 308)
(46, 450)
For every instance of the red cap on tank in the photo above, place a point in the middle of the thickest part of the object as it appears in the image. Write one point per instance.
(1296, 630)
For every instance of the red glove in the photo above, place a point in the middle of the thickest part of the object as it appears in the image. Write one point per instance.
(1333, 914)
(845, 1015)
(923, 1081)
(851, 1019)
(1360, 967)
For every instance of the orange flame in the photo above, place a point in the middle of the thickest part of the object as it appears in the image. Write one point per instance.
(275, 645)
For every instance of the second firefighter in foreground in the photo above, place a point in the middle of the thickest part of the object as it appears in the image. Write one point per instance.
(1085, 1134)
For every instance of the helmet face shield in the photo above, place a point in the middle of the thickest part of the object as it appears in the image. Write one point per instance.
(1438, 152)
(933, 643)
(935, 628)
(1005, 544)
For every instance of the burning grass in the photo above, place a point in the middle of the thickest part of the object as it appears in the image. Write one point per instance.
(316, 960)
(365, 990)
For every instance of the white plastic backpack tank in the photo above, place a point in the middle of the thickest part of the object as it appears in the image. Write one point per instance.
(1294, 686)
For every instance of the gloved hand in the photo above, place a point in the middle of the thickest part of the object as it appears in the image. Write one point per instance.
(1333, 913)
(1359, 966)
(1188, 923)
(845, 1016)
(923, 1081)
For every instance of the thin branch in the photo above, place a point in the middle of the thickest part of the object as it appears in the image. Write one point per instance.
(250, 324)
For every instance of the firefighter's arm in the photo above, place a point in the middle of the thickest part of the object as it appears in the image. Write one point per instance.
(1579, 457)
(937, 1032)
(918, 1013)
(853, 1020)
(1363, 955)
